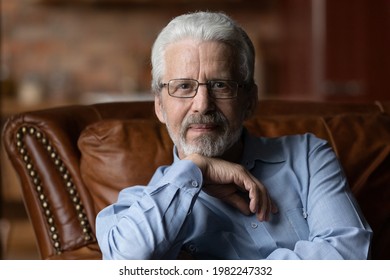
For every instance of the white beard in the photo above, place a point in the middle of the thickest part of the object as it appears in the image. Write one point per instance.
(209, 145)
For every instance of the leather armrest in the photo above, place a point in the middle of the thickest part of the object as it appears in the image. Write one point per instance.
(42, 147)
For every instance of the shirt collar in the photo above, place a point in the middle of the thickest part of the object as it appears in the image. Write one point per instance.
(263, 149)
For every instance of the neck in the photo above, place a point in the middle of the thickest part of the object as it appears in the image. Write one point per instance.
(234, 153)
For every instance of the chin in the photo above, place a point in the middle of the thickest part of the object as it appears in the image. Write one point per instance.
(206, 146)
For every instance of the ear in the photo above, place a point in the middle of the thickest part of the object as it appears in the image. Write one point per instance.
(158, 107)
(251, 102)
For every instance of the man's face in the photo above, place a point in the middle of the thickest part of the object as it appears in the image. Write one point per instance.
(202, 124)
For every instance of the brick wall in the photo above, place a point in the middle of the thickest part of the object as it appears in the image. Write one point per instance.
(76, 49)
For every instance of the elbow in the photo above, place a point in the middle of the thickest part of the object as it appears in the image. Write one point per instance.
(115, 246)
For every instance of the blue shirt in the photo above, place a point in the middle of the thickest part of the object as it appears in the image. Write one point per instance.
(318, 217)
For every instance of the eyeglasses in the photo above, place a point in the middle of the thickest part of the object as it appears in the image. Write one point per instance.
(188, 88)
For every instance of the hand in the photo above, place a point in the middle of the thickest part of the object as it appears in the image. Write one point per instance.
(235, 185)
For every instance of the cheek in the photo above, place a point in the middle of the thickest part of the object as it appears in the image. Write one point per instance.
(235, 116)
(173, 122)
(174, 116)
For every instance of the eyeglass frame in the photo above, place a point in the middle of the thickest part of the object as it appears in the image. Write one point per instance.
(207, 84)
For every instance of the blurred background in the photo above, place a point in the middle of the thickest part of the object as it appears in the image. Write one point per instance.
(61, 52)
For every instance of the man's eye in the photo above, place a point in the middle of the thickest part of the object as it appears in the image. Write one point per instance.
(219, 85)
(184, 86)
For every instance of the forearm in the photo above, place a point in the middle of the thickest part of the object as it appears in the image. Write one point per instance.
(343, 243)
(332, 225)
(337, 228)
(146, 223)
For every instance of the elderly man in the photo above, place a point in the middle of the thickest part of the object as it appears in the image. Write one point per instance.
(229, 195)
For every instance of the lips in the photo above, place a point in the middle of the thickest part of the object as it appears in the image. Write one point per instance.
(202, 126)
(198, 124)
(201, 129)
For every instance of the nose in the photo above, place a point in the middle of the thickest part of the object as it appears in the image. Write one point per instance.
(202, 102)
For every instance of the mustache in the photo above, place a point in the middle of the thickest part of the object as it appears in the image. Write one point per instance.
(214, 118)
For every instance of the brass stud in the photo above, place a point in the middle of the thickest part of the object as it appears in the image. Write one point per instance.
(35, 178)
(62, 169)
(39, 188)
(26, 158)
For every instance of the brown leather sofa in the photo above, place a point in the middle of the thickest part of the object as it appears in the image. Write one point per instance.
(72, 161)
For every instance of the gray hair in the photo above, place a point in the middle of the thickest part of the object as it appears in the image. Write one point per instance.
(203, 26)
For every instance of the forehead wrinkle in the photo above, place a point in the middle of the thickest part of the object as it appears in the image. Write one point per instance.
(182, 59)
(199, 60)
(218, 60)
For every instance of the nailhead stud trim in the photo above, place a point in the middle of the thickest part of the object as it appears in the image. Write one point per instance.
(39, 188)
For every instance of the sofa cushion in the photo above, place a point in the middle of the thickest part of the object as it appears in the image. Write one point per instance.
(361, 141)
(116, 154)
(120, 153)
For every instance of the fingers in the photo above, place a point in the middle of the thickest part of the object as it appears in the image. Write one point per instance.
(263, 211)
(254, 201)
(231, 195)
(223, 173)
(260, 202)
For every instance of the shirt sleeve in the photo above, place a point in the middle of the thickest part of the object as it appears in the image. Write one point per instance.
(337, 228)
(148, 222)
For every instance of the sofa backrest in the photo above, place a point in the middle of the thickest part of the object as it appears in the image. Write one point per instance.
(73, 161)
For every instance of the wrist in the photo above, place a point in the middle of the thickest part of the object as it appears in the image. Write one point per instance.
(198, 160)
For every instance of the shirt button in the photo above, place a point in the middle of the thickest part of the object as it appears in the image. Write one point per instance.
(194, 184)
(254, 225)
(192, 248)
